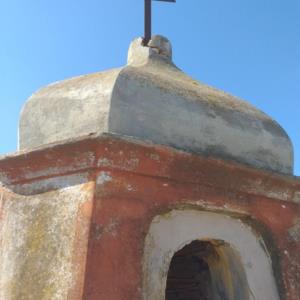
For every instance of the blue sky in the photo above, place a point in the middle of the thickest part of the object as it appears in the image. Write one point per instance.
(250, 49)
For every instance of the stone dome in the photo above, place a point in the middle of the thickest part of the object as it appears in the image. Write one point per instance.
(150, 99)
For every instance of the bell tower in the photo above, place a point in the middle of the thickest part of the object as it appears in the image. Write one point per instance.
(142, 183)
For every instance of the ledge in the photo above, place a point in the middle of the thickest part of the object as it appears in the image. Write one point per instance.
(111, 152)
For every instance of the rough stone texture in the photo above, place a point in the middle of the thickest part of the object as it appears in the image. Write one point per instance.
(108, 191)
(152, 100)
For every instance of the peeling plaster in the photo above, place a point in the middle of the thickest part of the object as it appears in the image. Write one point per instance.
(103, 178)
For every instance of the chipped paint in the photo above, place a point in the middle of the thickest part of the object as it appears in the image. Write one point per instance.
(297, 197)
(104, 162)
(103, 177)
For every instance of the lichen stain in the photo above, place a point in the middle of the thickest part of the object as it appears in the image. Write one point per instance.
(131, 163)
(32, 278)
(39, 240)
(294, 232)
(155, 157)
(103, 177)
(111, 229)
(104, 162)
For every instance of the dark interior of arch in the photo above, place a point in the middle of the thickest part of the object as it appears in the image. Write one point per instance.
(206, 270)
(189, 276)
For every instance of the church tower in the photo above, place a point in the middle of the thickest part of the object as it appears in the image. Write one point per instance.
(142, 183)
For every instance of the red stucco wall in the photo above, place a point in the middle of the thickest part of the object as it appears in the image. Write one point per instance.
(134, 182)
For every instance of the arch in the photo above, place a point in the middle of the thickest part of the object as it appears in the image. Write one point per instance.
(173, 231)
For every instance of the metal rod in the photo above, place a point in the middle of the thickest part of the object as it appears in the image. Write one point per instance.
(148, 20)
(148, 16)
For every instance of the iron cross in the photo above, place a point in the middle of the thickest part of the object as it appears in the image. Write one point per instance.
(148, 19)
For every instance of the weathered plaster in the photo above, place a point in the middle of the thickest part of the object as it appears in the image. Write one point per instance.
(67, 109)
(38, 236)
(131, 183)
(152, 100)
(169, 233)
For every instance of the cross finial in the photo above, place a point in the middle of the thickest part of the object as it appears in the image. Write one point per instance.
(148, 19)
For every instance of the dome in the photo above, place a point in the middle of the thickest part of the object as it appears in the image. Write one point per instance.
(150, 99)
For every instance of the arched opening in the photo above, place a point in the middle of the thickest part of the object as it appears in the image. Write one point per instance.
(206, 270)
(239, 266)
(189, 275)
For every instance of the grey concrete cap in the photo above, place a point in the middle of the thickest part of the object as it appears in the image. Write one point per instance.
(150, 99)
